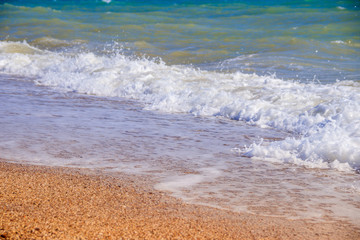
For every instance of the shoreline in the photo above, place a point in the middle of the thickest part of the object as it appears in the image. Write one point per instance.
(41, 202)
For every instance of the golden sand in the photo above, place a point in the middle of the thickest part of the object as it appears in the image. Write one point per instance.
(60, 203)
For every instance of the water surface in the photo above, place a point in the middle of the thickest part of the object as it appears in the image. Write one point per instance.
(234, 104)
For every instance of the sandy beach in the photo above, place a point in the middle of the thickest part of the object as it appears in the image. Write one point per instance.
(182, 119)
(60, 203)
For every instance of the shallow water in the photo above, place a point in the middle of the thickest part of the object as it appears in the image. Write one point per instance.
(322, 119)
(189, 156)
(245, 106)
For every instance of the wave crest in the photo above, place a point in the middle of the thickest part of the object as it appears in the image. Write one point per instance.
(324, 119)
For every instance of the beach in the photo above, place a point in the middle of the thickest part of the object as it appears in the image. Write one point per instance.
(40, 202)
(179, 119)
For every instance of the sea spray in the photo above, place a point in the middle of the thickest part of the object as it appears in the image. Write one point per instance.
(323, 118)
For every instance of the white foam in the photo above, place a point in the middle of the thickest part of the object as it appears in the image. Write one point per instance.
(338, 42)
(176, 184)
(325, 119)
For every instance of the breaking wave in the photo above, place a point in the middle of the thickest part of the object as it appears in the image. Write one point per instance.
(324, 119)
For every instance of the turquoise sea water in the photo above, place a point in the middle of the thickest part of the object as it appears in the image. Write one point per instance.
(234, 104)
(295, 39)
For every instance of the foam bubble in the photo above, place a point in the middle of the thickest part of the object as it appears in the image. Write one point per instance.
(324, 119)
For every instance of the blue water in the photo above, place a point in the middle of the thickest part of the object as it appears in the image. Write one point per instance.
(202, 96)
(295, 39)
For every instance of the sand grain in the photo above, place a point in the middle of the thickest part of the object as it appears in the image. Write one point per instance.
(60, 203)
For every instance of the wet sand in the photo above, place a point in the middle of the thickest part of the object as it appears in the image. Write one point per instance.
(60, 203)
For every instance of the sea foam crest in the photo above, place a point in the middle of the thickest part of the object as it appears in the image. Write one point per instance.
(324, 119)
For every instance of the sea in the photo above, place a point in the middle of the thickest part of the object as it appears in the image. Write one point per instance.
(249, 106)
